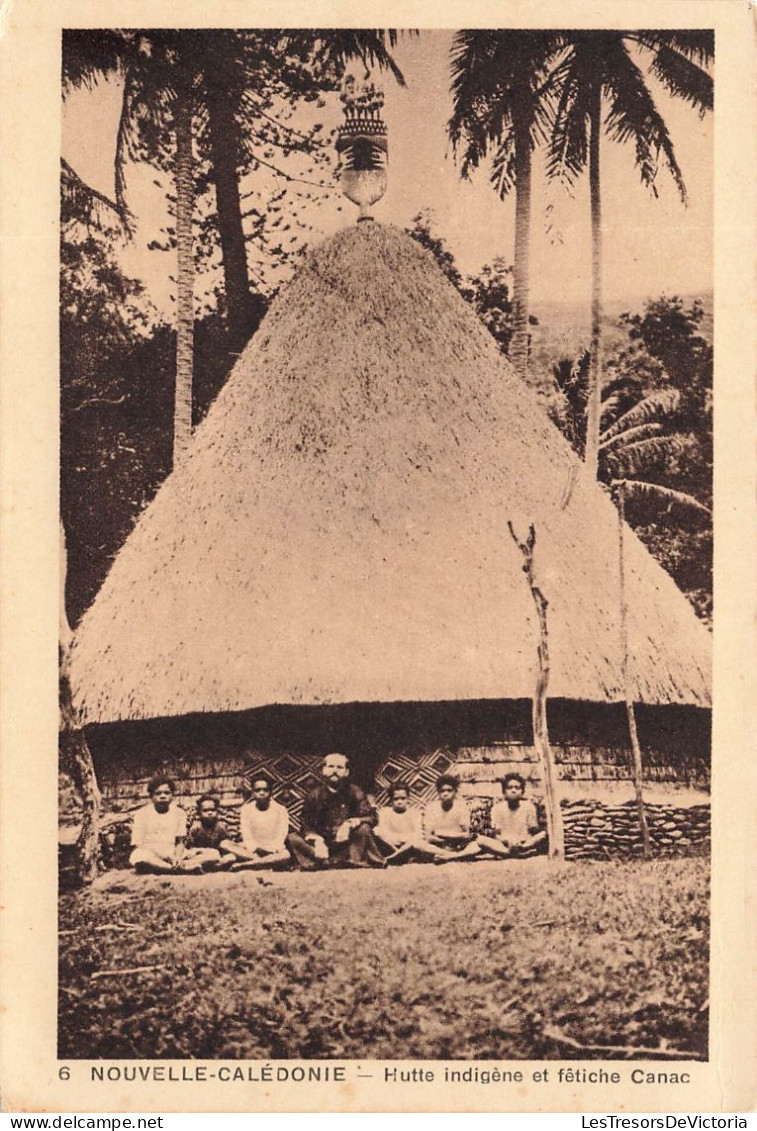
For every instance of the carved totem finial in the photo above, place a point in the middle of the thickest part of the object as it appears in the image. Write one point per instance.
(362, 145)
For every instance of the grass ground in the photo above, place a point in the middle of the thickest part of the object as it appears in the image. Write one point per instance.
(487, 960)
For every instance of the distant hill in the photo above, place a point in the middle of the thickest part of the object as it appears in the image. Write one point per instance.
(563, 329)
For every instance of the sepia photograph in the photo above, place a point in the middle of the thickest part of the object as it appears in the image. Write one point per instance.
(386, 492)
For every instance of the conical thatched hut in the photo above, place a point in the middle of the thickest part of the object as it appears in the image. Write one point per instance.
(331, 564)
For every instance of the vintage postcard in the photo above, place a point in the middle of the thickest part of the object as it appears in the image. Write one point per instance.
(378, 525)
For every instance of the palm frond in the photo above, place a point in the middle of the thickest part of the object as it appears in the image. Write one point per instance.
(124, 149)
(608, 407)
(641, 489)
(90, 54)
(574, 78)
(503, 168)
(83, 200)
(471, 69)
(681, 66)
(663, 402)
(696, 44)
(498, 76)
(684, 79)
(640, 456)
(338, 46)
(629, 436)
(633, 116)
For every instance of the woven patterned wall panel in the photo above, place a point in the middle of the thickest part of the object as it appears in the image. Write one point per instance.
(419, 771)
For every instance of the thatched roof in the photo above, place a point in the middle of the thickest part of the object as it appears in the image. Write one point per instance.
(338, 530)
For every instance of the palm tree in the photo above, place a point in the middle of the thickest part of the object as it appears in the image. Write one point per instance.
(501, 91)
(159, 83)
(160, 100)
(182, 109)
(600, 83)
(189, 95)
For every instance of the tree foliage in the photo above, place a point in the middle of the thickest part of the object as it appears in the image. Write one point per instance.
(656, 433)
(492, 298)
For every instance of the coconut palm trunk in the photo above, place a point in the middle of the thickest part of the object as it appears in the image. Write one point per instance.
(522, 139)
(502, 100)
(185, 272)
(594, 404)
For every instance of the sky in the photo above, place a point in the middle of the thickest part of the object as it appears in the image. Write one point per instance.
(651, 245)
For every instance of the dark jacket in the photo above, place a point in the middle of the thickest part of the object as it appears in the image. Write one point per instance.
(324, 811)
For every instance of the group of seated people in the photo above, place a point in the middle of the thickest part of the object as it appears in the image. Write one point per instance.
(339, 828)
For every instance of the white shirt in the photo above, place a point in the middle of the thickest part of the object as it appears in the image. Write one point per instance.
(452, 823)
(514, 825)
(158, 832)
(264, 828)
(399, 828)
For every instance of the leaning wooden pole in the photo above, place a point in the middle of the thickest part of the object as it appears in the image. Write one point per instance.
(620, 489)
(74, 755)
(555, 831)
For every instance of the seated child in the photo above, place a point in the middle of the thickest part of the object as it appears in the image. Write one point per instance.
(515, 823)
(264, 826)
(400, 828)
(159, 831)
(209, 842)
(447, 823)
